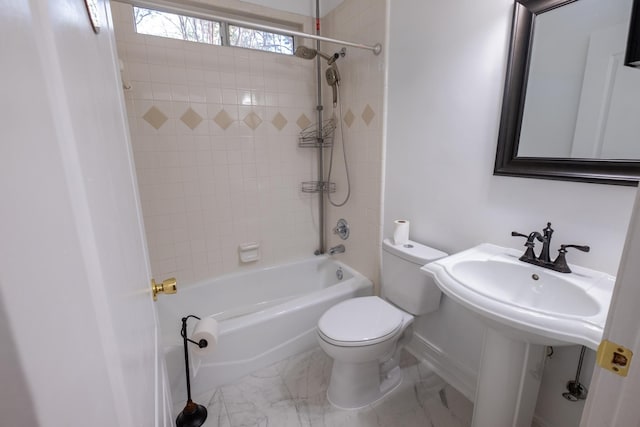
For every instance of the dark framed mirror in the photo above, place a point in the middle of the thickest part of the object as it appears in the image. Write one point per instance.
(530, 145)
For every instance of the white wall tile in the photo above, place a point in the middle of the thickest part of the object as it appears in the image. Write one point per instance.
(363, 22)
(206, 190)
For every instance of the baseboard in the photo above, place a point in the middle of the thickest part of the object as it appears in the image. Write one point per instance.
(462, 378)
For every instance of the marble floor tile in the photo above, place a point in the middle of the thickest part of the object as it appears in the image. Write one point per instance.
(217, 412)
(292, 393)
(459, 405)
(306, 375)
(260, 399)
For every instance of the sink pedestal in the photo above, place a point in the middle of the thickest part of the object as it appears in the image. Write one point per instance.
(508, 381)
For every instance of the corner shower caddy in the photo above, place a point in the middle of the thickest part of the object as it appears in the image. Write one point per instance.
(310, 137)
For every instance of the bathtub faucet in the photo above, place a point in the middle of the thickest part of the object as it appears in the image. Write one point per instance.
(336, 250)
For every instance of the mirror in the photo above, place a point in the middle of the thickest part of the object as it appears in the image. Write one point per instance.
(570, 109)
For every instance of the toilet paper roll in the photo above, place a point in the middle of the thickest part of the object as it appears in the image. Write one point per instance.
(401, 232)
(206, 329)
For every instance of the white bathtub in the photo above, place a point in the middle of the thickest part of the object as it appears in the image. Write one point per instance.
(264, 316)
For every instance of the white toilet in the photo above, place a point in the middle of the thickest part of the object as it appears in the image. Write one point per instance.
(364, 335)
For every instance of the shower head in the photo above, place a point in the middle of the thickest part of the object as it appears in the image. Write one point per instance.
(333, 79)
(305, 52)
(308, 53)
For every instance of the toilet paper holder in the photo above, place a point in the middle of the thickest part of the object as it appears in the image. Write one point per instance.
(193, 414)
(183, 332)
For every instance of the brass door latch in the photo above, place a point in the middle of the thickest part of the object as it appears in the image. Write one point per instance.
(167, 286)
(614, 357)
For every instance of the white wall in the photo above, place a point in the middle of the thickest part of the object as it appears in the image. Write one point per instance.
(446, 73)
(16, 403)
(307, 8)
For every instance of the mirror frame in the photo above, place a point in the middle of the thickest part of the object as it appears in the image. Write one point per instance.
(618, 172)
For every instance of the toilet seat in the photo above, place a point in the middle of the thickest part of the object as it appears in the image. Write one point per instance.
(360, 322)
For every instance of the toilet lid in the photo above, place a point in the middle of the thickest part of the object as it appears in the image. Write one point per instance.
(360, 320)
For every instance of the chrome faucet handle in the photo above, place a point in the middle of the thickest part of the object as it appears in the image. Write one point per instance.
(342, 229)
(560, 264)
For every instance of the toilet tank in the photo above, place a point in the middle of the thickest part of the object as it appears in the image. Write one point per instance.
(402, 281)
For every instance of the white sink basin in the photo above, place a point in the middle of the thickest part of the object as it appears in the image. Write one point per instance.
(531, 303)
(524, 286)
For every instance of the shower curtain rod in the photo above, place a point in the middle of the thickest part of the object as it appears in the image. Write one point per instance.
(197, 12)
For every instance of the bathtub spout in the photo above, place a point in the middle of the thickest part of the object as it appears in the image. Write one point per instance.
(336, 250)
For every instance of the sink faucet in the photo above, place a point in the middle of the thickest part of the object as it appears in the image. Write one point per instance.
(546, 242)
(336, 250)
(544, 260)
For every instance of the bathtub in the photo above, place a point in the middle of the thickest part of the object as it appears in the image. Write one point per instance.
(264, 316)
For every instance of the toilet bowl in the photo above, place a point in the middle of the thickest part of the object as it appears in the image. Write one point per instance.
(365, 335)
(361, 334)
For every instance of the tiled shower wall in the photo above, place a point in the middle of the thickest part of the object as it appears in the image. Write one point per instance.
(362, 101)
(214, 132)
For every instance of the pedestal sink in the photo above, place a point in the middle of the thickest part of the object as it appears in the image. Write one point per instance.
(525, 308)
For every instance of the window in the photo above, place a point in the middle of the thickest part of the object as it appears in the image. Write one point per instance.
(165, 24)
(261, 40)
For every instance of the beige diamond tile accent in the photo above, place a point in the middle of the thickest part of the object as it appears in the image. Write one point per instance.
(252, 120)
(368, 114)
(279, 121)
(303, 121)
(191, 118)
(155, 117)
(223, 119)
(349, 118)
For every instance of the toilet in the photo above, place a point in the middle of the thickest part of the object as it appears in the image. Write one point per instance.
(364, 335)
